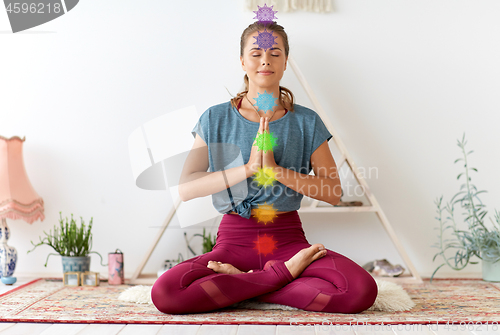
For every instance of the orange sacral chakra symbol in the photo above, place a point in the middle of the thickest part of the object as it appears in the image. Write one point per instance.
(265, 245)
(265, 213)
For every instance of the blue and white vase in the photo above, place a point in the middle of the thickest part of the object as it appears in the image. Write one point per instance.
(8, 255)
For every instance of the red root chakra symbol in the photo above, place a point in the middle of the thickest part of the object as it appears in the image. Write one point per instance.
(265, 245)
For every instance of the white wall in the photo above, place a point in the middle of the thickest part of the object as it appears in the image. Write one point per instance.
(401, 81)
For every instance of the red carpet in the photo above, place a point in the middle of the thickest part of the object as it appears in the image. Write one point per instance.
(47, 300)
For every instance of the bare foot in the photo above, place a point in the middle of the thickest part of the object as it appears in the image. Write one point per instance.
(224, 268)
(303, 258)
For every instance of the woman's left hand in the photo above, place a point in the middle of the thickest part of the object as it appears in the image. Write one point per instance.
(268, 157)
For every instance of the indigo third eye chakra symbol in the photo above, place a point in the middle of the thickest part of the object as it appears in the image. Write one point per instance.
(265, 40)
(265, 14)
(25, 14)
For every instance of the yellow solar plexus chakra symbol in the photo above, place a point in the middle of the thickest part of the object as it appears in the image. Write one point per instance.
(265, 213)
(265, 176)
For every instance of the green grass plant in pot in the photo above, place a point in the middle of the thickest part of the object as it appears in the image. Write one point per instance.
(73, 243)
(207, 244)
(477, 240)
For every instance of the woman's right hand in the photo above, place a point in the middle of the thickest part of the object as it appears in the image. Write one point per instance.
(255, 161)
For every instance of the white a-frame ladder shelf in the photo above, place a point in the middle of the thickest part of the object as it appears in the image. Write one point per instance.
(139, 278)
(414, 277)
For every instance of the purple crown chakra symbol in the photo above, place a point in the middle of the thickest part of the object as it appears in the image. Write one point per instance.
(265, 14)
(265, 40)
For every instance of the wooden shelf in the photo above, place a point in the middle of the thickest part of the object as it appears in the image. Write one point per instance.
(346, 158)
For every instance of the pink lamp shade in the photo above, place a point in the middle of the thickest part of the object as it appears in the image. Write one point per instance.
(18, 198)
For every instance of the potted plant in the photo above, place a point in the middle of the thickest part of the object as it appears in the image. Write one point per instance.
(73, 243)
(478, 240)
(207, 244)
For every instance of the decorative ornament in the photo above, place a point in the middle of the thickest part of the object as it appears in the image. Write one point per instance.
(265, 245)
(265, 40)
(265, 213)
(265, 14)
(72, 278)
(265, 141)
(265, 101)
(89, 278)
(265, 176)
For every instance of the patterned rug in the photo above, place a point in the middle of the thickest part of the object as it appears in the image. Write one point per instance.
(443, 301)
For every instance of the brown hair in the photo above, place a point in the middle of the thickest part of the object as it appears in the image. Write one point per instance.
(286, 96)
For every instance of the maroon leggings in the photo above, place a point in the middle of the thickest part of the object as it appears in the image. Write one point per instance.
(332, 283)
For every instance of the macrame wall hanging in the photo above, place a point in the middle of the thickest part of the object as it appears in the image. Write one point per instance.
(318, 6)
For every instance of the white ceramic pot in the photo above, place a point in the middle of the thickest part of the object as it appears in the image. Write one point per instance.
(491, 270)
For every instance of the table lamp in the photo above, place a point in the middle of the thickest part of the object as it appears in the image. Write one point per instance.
(18, 201)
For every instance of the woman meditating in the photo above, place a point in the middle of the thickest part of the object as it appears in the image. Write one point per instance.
(261, 250)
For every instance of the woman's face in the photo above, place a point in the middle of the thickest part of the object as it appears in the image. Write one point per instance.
(264, 69)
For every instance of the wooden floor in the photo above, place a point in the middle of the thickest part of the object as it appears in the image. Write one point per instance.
(125, 329)
(84, 329)
(81, 329)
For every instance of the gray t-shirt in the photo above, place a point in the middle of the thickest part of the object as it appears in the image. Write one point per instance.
(230, 136)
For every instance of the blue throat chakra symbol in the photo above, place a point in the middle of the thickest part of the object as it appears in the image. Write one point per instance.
(265, 40)
(265, 101)
(265, 14)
